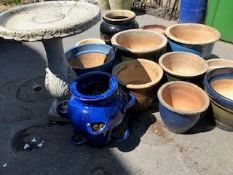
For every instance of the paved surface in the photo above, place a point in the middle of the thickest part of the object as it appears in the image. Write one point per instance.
(150, 149)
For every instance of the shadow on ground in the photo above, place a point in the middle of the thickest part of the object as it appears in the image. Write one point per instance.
(24, 106)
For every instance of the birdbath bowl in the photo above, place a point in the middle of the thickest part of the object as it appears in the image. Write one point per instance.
(49, 22)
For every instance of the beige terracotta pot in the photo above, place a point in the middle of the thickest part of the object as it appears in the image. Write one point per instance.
(218, 63)
(120, 4)
(181, 104)
(194, 38)
(90, 41)
(141, 77)
(155, 28)
(190, 33)
(183, 66)
(138, 43)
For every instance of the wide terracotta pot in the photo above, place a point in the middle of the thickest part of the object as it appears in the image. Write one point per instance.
(195, 38)
(181, 104)
(141, 77)
(218, 83)
(90, 41)
(183, 66)
(155, 28)
(139, 43)
(218, 63)
(115, 21)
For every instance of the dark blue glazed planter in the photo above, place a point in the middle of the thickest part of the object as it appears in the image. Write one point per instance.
(190, 37)
(91, 57)
(181, 104)
(115, 21)
(97, 107)
(218, 83)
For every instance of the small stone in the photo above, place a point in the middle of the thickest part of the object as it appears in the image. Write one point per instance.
(33, 140)
(26, 146)
(40, 144)
(4, 165)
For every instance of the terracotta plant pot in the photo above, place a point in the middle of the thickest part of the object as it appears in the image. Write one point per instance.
(90, 41)
(218, 84)
(183, 66)
(138, 43)
(218, 63)
(115, 21)
(91, 57)
(120, 4)
(195, 38)
(181, 104)
(155, 28)
(141, 77)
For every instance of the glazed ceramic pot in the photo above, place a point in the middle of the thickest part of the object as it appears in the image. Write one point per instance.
(195, 38)
(91, 57)
(97, 108)
(183, 66)
(155, 28)
(181, 104)
(141, 77)
(138, 43)
(120, 4)
(115, 21)
(218, 63)
(90, 41)
(218, 83)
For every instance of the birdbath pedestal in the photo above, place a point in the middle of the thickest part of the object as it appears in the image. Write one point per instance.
(49, 22)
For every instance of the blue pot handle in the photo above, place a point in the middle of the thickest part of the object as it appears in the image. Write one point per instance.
(91, 131)
(130, 101)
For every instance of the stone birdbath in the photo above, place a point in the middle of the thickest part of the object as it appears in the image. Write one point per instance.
(49, 22)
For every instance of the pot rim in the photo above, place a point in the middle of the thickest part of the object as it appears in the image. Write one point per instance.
(90, 51)
(118, 46)
(202, 109)
(200, 59)
(218, 59)
(100, 41)
(215, 31)
(145, 27)
(130, 15)
(113, 85)
(118, 68)
(228, 103)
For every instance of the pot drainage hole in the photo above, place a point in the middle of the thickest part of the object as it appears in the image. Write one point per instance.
(97, 126)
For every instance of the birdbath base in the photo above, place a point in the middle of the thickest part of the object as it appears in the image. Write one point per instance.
(49, 22)
(56, 79)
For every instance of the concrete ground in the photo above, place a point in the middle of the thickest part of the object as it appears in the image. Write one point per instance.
(150, 149)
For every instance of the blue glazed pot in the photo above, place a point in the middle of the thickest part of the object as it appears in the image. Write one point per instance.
(91, 57)
(97, 107)
(115, 21)
(218, 83)
(181, 104)
(183, 66)
(194, 38)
